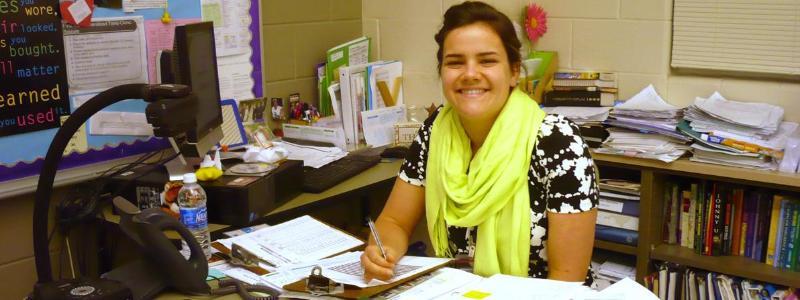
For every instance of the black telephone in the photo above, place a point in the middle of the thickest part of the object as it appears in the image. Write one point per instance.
(163, 266)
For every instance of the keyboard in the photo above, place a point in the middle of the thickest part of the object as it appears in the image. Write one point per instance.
(325, 177)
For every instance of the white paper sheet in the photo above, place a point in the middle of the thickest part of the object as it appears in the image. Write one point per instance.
(231, 25)
(232, 40)
(751, 114)
(334, 135)
(109, 53)
(647, 99)
(378, 124)
(131, 5)
(623, 289)
(511, 287)
(441, 283)
(312, 156)
(349, 269)
(303, 239)
(119, 123)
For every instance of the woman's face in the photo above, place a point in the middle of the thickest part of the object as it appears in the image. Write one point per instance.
(476, 74)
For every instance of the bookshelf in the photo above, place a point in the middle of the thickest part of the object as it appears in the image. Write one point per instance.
(654, 175)
(616, 247)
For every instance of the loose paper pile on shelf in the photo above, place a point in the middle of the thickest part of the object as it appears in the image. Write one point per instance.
(581, 115)
(742, 134)
(646, 128)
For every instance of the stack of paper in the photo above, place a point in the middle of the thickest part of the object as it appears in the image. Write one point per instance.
(581, 115)
(643, 145)
(720, 157)
(312, 156)
(728, 132)
(649, 131)
(647, 112)
(744, 118)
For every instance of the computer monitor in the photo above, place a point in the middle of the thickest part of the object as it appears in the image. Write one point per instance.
(194, 63)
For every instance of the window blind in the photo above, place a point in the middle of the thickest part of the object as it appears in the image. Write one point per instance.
(760, 36)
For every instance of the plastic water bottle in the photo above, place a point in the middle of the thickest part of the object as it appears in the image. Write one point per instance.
(192, 203)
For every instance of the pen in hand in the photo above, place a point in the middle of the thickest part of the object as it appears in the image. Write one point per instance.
(375, 236)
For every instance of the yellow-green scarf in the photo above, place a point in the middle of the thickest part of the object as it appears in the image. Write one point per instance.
(494, 194)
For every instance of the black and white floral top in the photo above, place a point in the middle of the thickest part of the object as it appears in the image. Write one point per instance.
(561, 180)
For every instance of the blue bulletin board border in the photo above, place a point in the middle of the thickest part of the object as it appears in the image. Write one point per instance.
(25, 169)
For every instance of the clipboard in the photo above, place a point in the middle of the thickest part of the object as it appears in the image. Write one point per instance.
(354, 292)
(229, 255)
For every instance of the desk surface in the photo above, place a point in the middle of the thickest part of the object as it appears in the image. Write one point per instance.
(379, 173)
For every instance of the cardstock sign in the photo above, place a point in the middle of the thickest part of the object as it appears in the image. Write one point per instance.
(33, 93)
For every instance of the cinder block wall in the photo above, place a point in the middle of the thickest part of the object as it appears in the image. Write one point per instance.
(630, 37)
(296, 34)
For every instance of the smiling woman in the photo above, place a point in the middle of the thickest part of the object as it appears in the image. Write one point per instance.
(502, 185)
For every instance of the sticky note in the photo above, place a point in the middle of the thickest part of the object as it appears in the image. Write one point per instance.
(476, 294)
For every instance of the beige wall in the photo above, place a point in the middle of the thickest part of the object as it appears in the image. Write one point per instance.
(17, 266)
(630, 37)
(296, 34)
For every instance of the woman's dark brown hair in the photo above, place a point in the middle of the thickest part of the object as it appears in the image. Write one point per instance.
(471, 12)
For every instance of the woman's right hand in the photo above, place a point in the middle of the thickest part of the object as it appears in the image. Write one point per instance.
(375, 266)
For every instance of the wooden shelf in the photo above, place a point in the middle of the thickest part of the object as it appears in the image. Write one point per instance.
(616, 247)
(686, 167)
(733, 265)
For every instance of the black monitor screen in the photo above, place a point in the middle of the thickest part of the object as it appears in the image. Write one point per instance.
(196, 66)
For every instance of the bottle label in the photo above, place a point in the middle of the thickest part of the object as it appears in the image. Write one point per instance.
(194, 218)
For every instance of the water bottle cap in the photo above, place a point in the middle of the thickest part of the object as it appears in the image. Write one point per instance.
(189, 178)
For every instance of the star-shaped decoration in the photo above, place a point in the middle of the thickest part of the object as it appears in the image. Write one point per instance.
(431, 109)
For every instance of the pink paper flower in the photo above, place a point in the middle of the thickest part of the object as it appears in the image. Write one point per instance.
(535, 22)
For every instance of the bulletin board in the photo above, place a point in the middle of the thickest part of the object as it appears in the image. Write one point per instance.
(239, 66)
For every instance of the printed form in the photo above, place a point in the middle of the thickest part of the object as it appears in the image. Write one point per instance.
(303, 239)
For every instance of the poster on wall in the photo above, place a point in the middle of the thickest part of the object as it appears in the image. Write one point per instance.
(33, 93)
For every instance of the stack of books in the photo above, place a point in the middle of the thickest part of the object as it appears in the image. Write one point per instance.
(741, 134)
(618, 214)
(719, 219)
(679, 282)
(582, 89)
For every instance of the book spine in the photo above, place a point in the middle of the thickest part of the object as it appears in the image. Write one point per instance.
(718, 219)
(751, 226)
(686, 204)
(788, 221)
(572, 98)
(773, 228)
(791, 236)
(763, 229)
(698, 226)
(738, 208)
(674, 215)
(779, 236)
(617, 235)
(625, 207)
(577, 75)
(726, 228)
(709, 231)
(666, 211)
(617, 220)
(691, 234)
